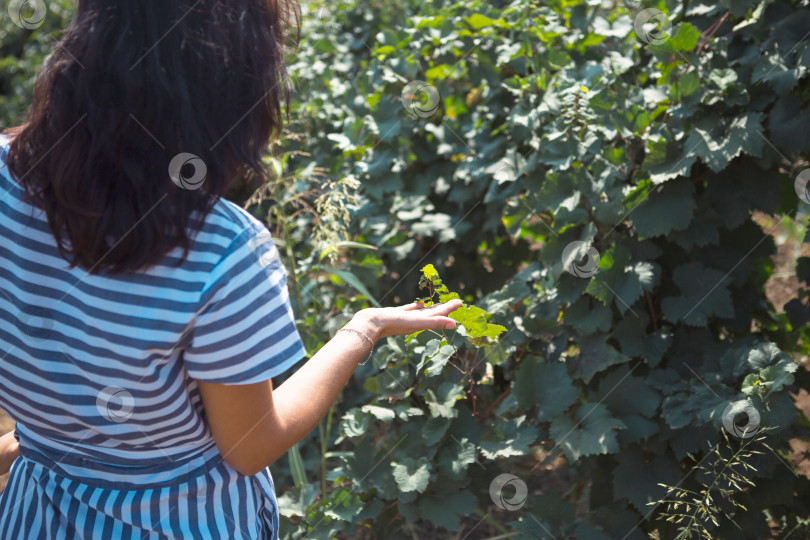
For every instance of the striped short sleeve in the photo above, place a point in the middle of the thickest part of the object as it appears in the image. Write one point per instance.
(244, 331)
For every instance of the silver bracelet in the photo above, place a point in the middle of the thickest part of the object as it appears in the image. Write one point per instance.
(365, 337)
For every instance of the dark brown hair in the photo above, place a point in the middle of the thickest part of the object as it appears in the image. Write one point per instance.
(132, 85)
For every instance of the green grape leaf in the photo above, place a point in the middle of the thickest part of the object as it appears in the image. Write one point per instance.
(636, 478)
(381, 413)
(411, 474)
(704, 294)
(354, 423)
(454, 459)
(546, 385)
(619, 280)
(595, 355)
(764, 355)
(717, 146)
(685, 38)
(478, 21)
(439, 360)
(666, 160)
(444, 298)
(446, 509)
(770, 379)
(442, 402)
(626, 394)
(509, 437)
(431, 349)
(474, 320)
(592, 431)
(434, 429)
(587, 319)
(668, 208)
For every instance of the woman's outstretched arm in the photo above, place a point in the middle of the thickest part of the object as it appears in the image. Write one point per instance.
(9, 451)
(253, 424)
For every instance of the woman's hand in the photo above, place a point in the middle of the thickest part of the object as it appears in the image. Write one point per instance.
(378, 323)
(9, 451)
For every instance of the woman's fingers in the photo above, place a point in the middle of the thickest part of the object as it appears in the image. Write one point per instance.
(444, 309)
(420, 318)
(431, 323)
(444, 322)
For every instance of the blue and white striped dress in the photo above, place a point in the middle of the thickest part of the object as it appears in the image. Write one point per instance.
(100, 374)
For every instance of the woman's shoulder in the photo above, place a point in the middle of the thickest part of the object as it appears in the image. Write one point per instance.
(4, 143)
(6, 136)
(228, 230)
(232, 215)
(6, 178)
(233, 220)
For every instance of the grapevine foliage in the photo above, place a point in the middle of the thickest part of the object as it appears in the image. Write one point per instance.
(473, 320)
(668, 165)
(556, 124)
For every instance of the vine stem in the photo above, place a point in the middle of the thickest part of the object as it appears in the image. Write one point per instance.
(653, 316)
(491, 522)
(498, 401)
(324, 434)
(712, 30)
(458, 368)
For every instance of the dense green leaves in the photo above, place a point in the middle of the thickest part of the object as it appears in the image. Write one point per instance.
(703, 294)
(659, 210)
(412, 475)
(545, 386)
(543, 124)
(619, 280)
(591, 431)
(553, 124)
(637, 477)
(717, 144)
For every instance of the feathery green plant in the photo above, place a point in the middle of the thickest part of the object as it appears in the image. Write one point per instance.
(695, 512)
